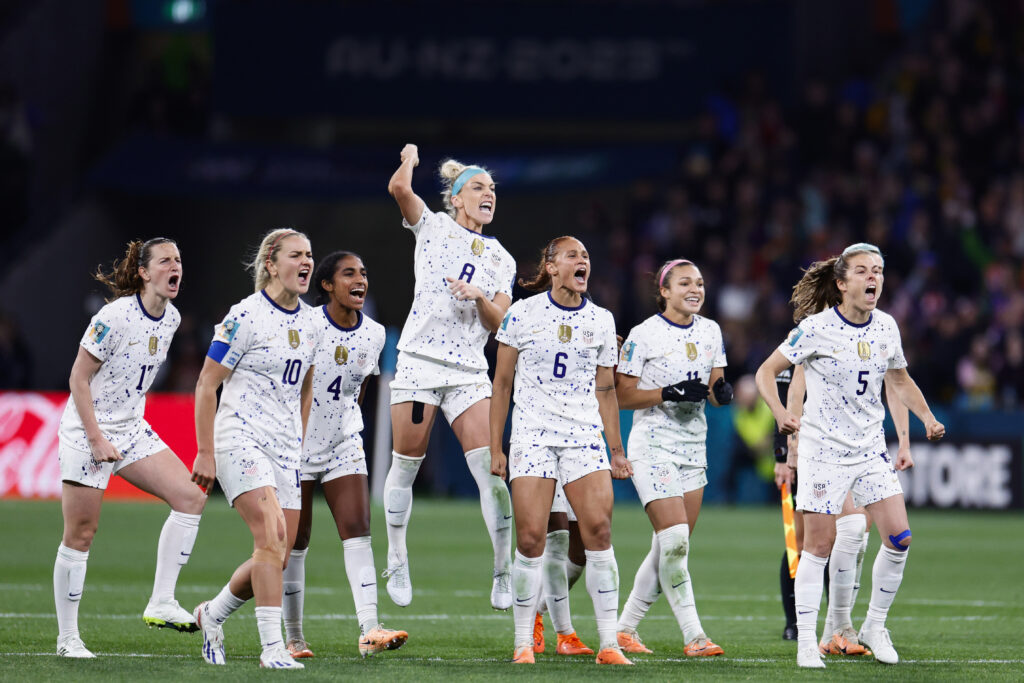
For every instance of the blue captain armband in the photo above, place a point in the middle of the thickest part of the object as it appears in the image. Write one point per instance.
(218, 350)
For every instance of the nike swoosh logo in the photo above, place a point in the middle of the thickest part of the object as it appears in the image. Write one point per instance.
(525, 601)
(184, 554)
(677, 585)
(610, 590)
(134, 343)
(364, 585)
(840, 571)
(396, 512)
(804, 612)
(74, 595)
(885, 591)
(561, 598)
(293, 592)
(508, 516)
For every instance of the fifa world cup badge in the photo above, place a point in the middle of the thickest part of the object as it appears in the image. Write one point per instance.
(477, 246)
(340, 355)
(293, 338)
(691, 351)
(565, 333)
(864, 350)
(153, 345)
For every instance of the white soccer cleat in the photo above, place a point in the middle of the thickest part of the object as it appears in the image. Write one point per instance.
(808, 657)
(501, 591)
(880, 643)
(278, 657)
(169, 615)
(213, 635)
(399, 584)
(73, 647)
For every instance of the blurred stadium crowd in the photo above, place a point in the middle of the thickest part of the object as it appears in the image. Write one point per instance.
(925, 159)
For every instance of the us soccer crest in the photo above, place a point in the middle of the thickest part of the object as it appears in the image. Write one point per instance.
(153, 343)
(864, 350)
(588, 337)
(293, 338)
(565, 333)
(477, 246)
(691, 351)
(340, 354)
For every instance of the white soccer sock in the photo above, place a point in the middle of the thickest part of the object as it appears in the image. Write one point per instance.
(808, 586)
(223, 605)
(573, 572)
(646, 589)
(68, 585)
(603, 586)
(362, 579)
(556, 583)
(172, 552)
(842, 570)
(398, 503)
(860, 568)
(527, 585)
(268, 622)
(674, 576)
(495, 505)
(886, 577)
(294, 579)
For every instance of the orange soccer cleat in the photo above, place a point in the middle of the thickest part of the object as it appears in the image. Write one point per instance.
(701, 646)
(612, 655)
(523, 655)
(572, 645)
(538, 633)
(299, 649)
(844, 642)
(630, 642)
(379, 639)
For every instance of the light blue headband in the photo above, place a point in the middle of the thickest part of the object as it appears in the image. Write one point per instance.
(463, 177)
(861, 247)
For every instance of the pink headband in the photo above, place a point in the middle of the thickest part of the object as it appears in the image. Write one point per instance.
(273, 245)
(668, 267)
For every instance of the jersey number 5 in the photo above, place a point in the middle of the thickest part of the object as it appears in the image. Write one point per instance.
(862, 381)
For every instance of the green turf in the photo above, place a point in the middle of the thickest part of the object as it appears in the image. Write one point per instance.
(959, 614)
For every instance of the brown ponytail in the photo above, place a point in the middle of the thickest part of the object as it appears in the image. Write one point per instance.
(541, 280)
(124, 278)
(816, 290)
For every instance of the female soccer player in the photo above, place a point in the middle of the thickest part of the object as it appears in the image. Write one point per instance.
(852, 527)
(667, 364)
(463, 288)
(846, 351)
(332, 451)
(102, 432)
(263, 354)
(559, 348)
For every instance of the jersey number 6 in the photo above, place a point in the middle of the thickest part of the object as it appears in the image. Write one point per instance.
(559, 370)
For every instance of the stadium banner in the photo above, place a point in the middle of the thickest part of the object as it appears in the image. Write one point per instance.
(964, 473)
(28, 441)
(541, 59)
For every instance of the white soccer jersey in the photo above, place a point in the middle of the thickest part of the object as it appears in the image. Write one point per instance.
(844, 365)
(132, 345)
(346, 356)
(269, 349)
(559, 352)
(438, 326)
(660, 353)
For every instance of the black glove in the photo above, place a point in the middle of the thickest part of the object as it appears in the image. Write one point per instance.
(692, 390)
(723, 392)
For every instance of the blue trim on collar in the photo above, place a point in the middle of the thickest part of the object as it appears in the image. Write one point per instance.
(693, 319)
(142, 307)
(359, 320)
(566, 308)
(864, 324)
(478, 234)
(279, 306)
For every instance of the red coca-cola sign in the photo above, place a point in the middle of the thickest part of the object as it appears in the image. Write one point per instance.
(28, 441)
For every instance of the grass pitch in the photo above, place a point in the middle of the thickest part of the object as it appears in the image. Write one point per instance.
(959, 614)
